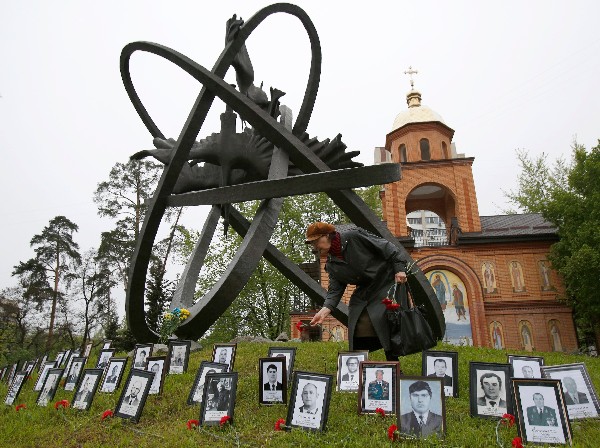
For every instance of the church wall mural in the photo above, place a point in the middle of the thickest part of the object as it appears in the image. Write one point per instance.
(452, 294)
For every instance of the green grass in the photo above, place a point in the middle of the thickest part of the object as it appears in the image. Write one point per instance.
(163, 422)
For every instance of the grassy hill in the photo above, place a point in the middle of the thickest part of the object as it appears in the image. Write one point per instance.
(163, 422)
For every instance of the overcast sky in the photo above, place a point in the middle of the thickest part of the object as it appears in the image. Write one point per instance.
(503, 74)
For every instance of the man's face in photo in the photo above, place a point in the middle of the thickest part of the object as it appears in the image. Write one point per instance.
(420, 401)
(352, 364)
(272, 374)
(309, 396)
(527, 372)
(491, 387)
(135, 389)
(439, 365)
(87, 386)
(570, 385)
(223, 356)
(538, 399)
(379, 375)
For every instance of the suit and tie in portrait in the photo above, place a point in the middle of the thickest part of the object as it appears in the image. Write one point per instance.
(572, 395)
(421, 421)
(432, 424)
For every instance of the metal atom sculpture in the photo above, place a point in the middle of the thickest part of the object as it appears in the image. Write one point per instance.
(267, 162)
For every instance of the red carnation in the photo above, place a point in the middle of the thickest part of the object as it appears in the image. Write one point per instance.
(380, 411)
(517, 443)
(386, 302)
(279, 423)
(192, 424)
(508, 419)
(299, 326)
(61, 403)
(392, 306)
(392, 430)
(224, 420)
(106, 414)
(20, 406)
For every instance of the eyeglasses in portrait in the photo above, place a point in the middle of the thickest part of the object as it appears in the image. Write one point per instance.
(580, 396)
(156, 365)
(49, 388)
(197, 390)
(133, 397)
(309, 401)
(542, 415)
(348, 374)
(377, 386)
(114, 373)
(490, 389)
(289, 353)
(224, 354)
(422, 410)
(526, 366)
(444, 365)
(218, 398)
(272, 382)
(87, 388)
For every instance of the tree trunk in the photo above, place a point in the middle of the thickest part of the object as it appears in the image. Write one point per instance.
(54, 298)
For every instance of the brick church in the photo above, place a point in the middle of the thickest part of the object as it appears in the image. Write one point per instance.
(497, 265)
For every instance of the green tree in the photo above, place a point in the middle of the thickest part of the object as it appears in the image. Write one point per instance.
(568, 196)
(55, 250)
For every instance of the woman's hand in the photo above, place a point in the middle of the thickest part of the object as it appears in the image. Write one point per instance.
(400, 277)
(320, 316)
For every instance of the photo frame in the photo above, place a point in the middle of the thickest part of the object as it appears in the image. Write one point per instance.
(44, 359)
(526, 366)
(421, 406)
(50, 385)
(59, 358)
(86, 390)
(348, 373)
(444, 365)
(156, 365)
(29, 366)
(133, 398)
(3, 371)
(104, 356)
(309, 401)
(65, 358)
(580, 397)
(88, 349)
(272, 380)
(42, 376)
(114, 373)
(12, 371)
(289, 353)
(14, 388)
(224, 354)
(378, 386)
(140, 354)
(106, 344)
(74, 373)
(218, 399)
(541, 411)
(197, 390)
(179, 356)
(490, 389)
(74, 354)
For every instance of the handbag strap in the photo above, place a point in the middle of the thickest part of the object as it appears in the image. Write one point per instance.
(400, 293)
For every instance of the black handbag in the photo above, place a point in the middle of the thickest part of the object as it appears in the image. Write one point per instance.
(409, 331)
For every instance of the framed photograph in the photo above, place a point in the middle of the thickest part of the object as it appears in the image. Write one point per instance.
(140, 355)
(272, 382)
(114, 373)
(156, 365)
(526, 366)
(88, 349)
(106, 344)
(377, 386)
(74, 372)
(309, 401)
(422, 410)
(580, 397)
(65, 358)
(15, 388)
(218, 399)
(444, 365)
(3, 372)
(178, 355)
(133, 398)
(42, 376)
(11, 373)
(197, 391)
(29, 366)
(104, 357)
(59, 358)
(44, 359)
(74, 354)
(541, 411)
(87, 389)
(49, 388)
(490, 389)
(224, 354)
(347, 371)
(289, 353)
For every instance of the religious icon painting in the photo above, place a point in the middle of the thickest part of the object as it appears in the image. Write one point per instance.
(309, 401)
(348, 374)
(156, 364)
(14, 388)
(272, 382)
(490, 389)
(74, 372)
(114, 373)
(49, 388)
(580, 397)
(104, 357)
(289, 353)
(422, 410)
(377, 387)
(42, 376)
(224, 354)
(84, 395)
(218, 399)
(526, 366)
(206, 367)
(442, 365)
(140, 355)
(178, 356)
(541, 412)
(133, 398)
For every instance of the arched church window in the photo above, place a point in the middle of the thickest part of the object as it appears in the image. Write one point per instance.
(445, 151)
(425, 152)
(403, 157)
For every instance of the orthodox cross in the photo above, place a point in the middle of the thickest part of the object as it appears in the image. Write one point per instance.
(411, 72)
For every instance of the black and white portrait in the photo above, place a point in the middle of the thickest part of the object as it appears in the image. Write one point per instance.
(580, 397)
(42, 376)
(14, 387)
(114, 373)
(87, 389)
(133, 397)
(156, 365)
(421, 406)
(289, 353)
(177, 363)
(74, 373)
(206, 367)
(219, 397)
(526, 366)
(348, 372)
(442, 365)
(49, 387)
(224, 354)
(140, 356)
(489, 388)
(273, 380)
(309, 401)
(104, 357)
